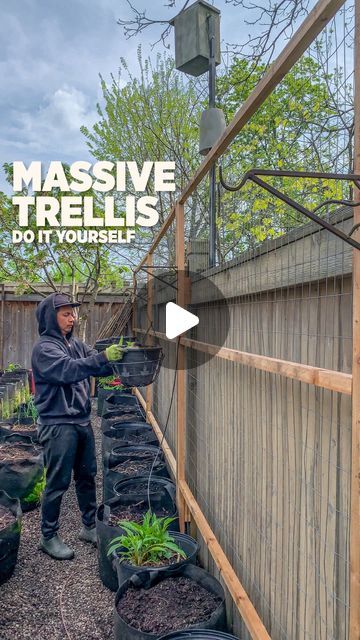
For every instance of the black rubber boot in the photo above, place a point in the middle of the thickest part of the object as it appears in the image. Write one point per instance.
(56, 548)
(88, 534)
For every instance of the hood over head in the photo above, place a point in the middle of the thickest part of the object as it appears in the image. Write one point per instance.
(46, 315)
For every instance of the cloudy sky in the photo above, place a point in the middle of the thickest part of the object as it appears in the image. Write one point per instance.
(51, 53)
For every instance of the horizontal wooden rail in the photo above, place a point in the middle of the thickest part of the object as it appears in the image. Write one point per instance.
(237, 591)
(151, 418)
(324, 378)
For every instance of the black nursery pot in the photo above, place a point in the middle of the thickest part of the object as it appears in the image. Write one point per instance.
(162, 504)
(198, 634)
(115, 419)
(9, 537)
(128, 455)
(127, 434)
(19, 478)
(125, 570)
(138, 487)
(147, 579)
(31, 433)
(103, 394)
(120, 401)
(139, 367)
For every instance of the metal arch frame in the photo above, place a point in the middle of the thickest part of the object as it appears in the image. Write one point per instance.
(253, 175)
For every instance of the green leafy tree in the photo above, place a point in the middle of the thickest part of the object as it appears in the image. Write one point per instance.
(54, 263)
(292, 130)
(153, 117)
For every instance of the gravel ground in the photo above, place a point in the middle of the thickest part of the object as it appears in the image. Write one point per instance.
(50, 600)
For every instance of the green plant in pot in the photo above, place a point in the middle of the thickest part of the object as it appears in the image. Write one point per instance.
(110, 383)
(30, 410)
(146, 544)
(12, 366)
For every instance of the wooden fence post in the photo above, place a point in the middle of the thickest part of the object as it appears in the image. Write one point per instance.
(354, 632)
(180, 382)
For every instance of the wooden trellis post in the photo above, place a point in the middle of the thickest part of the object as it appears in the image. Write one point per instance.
(180, 383)
(355, 462)
(133, 319)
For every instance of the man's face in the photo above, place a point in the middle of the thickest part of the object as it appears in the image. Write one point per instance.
(65, 318)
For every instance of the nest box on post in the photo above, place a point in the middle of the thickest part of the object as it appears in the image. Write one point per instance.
(192, 50)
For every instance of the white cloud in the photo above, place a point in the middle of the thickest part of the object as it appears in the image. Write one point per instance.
(55, 125)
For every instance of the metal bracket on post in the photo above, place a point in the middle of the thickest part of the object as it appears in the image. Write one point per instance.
(254, 174)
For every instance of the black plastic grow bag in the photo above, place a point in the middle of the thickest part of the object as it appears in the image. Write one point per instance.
(128, 434)
(106, 532)
(9, 537)
(147, 579)
(30, 433)
(128, 454)
(139, 487)
(125, 570)
(121, 402)
(103, 394)
(198, 634)
(23, 478)
(115, 419)
(139, 367)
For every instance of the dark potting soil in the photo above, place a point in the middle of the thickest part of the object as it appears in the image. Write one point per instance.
(23, 427)
(165, 562)
(134, 467)
(9, 452)
(136, 439)
(135, 512)
(128, 417)
(142, 487)
(6, 517)
(173, 603)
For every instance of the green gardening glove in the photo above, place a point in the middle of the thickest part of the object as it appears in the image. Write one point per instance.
(114, 352)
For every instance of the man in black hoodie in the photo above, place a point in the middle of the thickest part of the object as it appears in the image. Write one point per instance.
(61, 367)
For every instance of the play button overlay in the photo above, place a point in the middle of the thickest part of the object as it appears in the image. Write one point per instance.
(178, 320)
(204, 319)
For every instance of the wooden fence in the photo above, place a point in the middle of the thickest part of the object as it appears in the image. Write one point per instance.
(268, 456)
(18, 325)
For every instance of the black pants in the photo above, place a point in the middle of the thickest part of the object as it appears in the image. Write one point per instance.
(67, 448)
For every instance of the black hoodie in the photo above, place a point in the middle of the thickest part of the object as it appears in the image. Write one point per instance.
(61, 368)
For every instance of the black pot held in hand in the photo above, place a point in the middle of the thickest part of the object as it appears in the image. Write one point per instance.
(139, 366)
